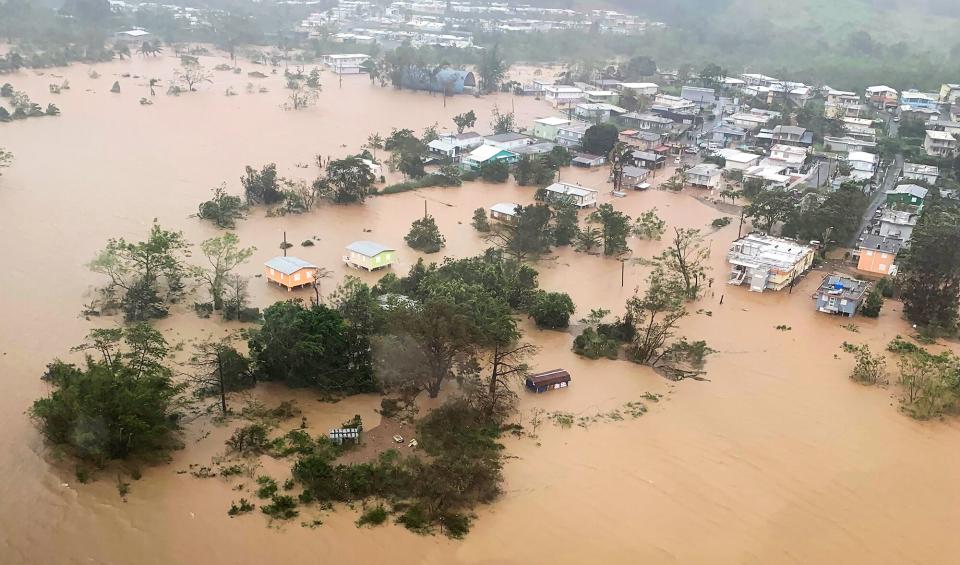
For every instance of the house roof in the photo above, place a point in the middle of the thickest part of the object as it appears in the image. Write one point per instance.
(881, 88)
(135, 33)
(940, 135)
(506, 137)
(911, 189)
(289, 265)
(564, 188)
(645, 117)
(508, 208)
(552, 121)
(368, 248)
(704, 169)
(635, 172)
(638, 85)
(918, 169)
(535, 148)
(861, 156)
(485, 153)
(587, 158)
(602, 106)
(790, 130)
(441, 145)
(880, 243)
(647, 156)
(844, 287)
(737, 156)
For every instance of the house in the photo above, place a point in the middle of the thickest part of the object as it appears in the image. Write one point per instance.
(771, 176)
(646, 121)
(369, 256)
(877, 254)
(540, 84)
(448, 81)
(737, 160)
(581, 197)
(862, 165)
(699, 96)
(558, 94)
(917, 99)
(639, 88)
(725, 135)
(505, 212)
(598, 112)
(847, 144)
(949, 93)
(546, 128)
(588, 161)
(925, 173)
(788, 157)
(940, 144)
(705, 175)
(754, 79)
(907, 194)
(290, 272)
(642, 140)
(753, 119)
(839, 97)
(649, 160)
(882, 96)
(842, 295)
(509, 140)
(675, 103)
(346, 63)
(898, 222)
(550, 380)
(135, 34)
(535, 148)
(602, 96)
(455, 145)
(792, 135)
(339, 436)
(859, 131)
(571, 135)
(634, 176)
(766, 262)
(486, 154)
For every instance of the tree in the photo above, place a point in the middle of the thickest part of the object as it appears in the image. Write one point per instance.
(261, 187)
(491, 69)
(649, 225)
(640, 66)
(552, 310)
(350, 179)
(465, 121)
(223, 209)
(140, 271)
(496, 171)
(560, 157)
(528, 234)
(654, 318)
(566, 226)
(873, 304)
(589, 239)
(119, 407)
(191, 76)
(771, 207)
(220, 369)
(374, 142)
(425, 236)
(502, 123)
(687, 259)
(619, 158)
(711, 75)
(930, 274)
(223, 255)
(312, 347)
(615, 227)
(298, 196)
(869, 369)
(534, 170)
(930, 384)
(480, 221)
(6, 158)
(600, 139)
(301, 97)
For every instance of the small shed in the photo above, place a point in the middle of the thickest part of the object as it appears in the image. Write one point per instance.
(290, 272)
(340, 436)
(504, 211)
(369, 255)
(588, 161)
(542, 382)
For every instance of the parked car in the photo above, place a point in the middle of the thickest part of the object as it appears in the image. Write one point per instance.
(690, 150)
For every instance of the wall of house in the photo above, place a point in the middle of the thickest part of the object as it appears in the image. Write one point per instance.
(299, 278)
(876, 262)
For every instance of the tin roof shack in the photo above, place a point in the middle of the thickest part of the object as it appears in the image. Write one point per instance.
(916, 171)
(339, 436)
(290, 272)
(550, 380)
(908, 195)
(767, 262)
(580, 197)
(369, 255)
(505, 212)
(588, 161)
(841, 295)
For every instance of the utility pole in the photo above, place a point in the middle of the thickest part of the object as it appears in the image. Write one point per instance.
(740, 229)
(284, 244)
(623, 267)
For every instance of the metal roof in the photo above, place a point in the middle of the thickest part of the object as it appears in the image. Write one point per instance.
(289, 265)
(508, 208)
(880, 243)
(368, 248)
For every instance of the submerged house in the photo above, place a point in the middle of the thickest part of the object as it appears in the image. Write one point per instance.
(581, 197)
(290, 272)
(876, 254)
(446, 80)
(505, 212)
(842, 295)
(550, 380)
(486, 154)
(766, 262)
(369, 256)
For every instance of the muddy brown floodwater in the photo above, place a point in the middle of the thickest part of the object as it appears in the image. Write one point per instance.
(778, 458)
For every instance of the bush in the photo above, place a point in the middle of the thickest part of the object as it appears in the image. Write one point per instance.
(480, 221)
(552, 310)
(721, 222)
(498, 171)
(425, 236)
(415, 519)
(242, 508)
(592, 345)
(872, 305)
(373, 516)
(307, 243)
(248, 440)
(267, 488)
(455, 525)
(281, 507)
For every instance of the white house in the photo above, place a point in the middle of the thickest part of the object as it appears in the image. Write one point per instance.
(940, 144)
(508, 140)
(504, 211)
(639, 88)
(753, 119)
(559, 94)
(787, 156)
(571, 135)
(346, 63)
(705, 175)
(580, 196)
(926, 173)
(738, 160)
(863, 165)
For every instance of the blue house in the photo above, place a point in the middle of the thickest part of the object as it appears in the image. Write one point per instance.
(839, 294)
(451, 81)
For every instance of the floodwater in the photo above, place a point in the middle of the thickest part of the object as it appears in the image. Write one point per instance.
(777, 458)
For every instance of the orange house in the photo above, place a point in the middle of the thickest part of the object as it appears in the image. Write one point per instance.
(290, 272)
(877, 254)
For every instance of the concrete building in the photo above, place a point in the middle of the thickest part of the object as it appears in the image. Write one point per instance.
(571, 135)
(876, 254)
(546, 128)
(899, 223)
(863, 166)
(766, 262)
(940, 144)
(907, 195)
(345, 63)
(841, 295)
(737, 160)
(580, 196)
(705, 175)
(925, 173)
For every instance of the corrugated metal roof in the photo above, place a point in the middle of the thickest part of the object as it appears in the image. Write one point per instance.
(289, 265)
(368, 248)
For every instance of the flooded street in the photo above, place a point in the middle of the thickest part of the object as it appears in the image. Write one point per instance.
(777, 458)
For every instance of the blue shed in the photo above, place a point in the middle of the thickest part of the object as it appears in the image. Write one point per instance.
(451, 81)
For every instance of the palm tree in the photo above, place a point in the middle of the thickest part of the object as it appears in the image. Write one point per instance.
(374, 142)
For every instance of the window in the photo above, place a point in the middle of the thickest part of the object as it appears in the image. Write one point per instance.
(309, 274)
(882, 267)
(272, 273)
(883, 255)
(296, 277)
(869, 253)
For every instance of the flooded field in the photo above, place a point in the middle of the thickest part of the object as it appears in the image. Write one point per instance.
(777, 458)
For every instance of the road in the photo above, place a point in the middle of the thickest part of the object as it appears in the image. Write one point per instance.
(879, 195)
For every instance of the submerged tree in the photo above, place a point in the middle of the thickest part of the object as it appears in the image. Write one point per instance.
(529, 233)
(649, 225)
(931, 269)
(465, 121)
(219, 369)
(480, 221)
(686, 259)
(350, 180)
(502, 123)
(654, 318)
(6, 159)
(223, 254)
(223, 209)
(615, 227)
(492, 68)
(262, 187)
(425, 236)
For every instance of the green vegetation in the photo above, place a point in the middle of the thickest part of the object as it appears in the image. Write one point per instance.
(480, 221)
(223, 209)
(552, 310)
(614, 229)
(600, 139)
(873, 304)
(497, 171)
(425, 236)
